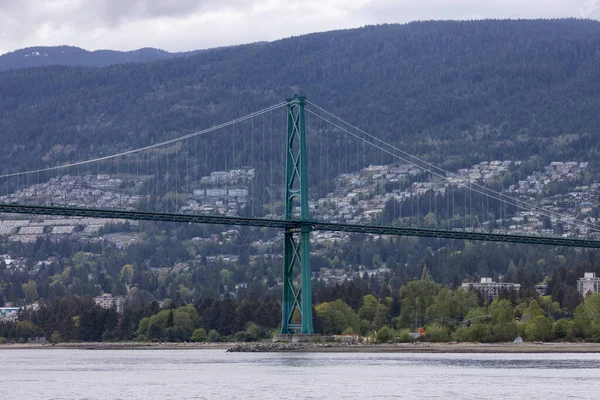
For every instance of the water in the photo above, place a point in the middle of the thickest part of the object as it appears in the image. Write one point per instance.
(214, 374)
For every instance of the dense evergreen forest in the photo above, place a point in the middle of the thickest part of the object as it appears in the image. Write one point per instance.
(455, 93)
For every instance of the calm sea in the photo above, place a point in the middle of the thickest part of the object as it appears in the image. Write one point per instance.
(215, 374)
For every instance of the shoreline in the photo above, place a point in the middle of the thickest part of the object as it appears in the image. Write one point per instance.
(116, 346)
(453, 347)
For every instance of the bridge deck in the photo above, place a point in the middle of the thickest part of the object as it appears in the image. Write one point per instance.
(291, 224)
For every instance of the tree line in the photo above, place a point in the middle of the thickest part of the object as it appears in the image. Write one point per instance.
(440, 313)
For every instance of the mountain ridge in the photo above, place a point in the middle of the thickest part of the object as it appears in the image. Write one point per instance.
(39, 56)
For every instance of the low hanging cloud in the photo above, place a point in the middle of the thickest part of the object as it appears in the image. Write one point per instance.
(178, 25)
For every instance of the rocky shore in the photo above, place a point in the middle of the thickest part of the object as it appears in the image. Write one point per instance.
(275, 347)
(417, 347)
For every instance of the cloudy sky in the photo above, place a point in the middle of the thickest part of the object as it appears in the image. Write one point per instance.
(179, 25)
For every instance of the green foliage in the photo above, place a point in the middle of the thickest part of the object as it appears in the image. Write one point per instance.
(126, 275)
(403, 336)
(437, 334)
(27, 330)
(586, 319)
(142, 331)
(213, 336)
(55, 337)
(335, 317)
(564, 329)
(539, 328)
(384, 335)
(416, 298)
(477, 332)
(373, 315)
(175, 325)
(199, 335)
(368, 310)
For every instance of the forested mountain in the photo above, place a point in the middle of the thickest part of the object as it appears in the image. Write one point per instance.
(457, 92)
(69, 55)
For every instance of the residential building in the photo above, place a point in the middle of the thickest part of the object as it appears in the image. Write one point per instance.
(588, 284)
(489, 288)
(542, 289)
(106, 300)
(9, 313)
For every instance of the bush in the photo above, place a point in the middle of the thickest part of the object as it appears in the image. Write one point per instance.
(539, 328)
(505, 331)
(348, 331)
(55, 337)
(213, 336)
(243, 336)
(477, 332)
(403, 336)
(255, 332)
(434, 334)
(109, 336)
(384, 335)
(199, 335)
(2, 340)
(564, 329)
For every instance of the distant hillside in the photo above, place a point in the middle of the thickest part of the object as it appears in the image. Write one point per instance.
(455, 92)
(69, 55)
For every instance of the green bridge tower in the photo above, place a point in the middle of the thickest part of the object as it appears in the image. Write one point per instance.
(296, 239)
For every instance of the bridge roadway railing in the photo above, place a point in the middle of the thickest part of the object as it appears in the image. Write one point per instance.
(291, 224)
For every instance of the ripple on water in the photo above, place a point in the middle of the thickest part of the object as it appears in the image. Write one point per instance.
(214, 374)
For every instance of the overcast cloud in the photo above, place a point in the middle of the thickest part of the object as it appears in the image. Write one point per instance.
(179, 25)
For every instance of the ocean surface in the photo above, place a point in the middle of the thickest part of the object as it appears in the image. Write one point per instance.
(215, 374)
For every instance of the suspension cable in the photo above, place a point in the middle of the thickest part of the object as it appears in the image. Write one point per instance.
(511, 201)
(149, 147)
(444, 174)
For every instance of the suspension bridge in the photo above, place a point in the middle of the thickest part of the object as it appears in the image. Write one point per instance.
(255, 171)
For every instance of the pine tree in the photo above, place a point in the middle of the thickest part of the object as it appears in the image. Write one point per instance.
(170, 322)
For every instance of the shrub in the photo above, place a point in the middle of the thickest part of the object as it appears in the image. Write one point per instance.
(199, 335)
(564, 329)
(55, 337)
(477, 332)
(403, 336)
(243, 336)
(435, 334)
(539, 328)
(213, 336)
(384, 335)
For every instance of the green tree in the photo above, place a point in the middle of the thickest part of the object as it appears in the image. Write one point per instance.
(199, 335)
(126, 274)
(55, 337)
(586, 319)
(213, 336)
(142, 331)
(30, 290)
(416, 297)
(384, 335)
(539, 328)
(335, 317)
